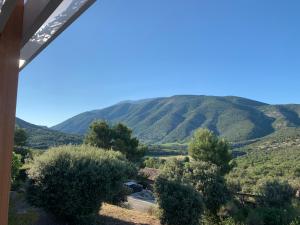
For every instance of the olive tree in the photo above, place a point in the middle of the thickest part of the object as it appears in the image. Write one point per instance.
(205, 177)
(180, 204)
(72, 182)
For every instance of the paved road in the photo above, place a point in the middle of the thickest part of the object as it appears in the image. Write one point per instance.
(140, 205)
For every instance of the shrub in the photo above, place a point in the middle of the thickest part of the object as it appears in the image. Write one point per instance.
(205, 177)
(275, 194)
(269, 216)
(153, 162)
(26, 153)
(295, 221)
(15, 169)
(180, 204)
(72, 182)
(230, 221)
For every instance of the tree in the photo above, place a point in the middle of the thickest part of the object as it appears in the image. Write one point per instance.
(180, 204)
(206, 146)
(99, 135)
(123, 141)
(20, 137)
(72, 182)
(207, 179)
(118, 138)
(204, 177)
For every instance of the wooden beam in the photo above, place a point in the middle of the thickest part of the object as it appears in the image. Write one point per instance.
(6, 11)
(10, 42)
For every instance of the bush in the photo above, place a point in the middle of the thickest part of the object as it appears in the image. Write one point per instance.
(180, 204)
(269, 216)
(153, 162)
(275, 194)
(295, 221)
(205, 177)
(72, 182)
(26, 153)
(230, 221)
(15, 169)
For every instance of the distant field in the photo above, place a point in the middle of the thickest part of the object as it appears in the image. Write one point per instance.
(167, 150)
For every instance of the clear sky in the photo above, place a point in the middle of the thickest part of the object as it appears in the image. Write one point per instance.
(135, 49)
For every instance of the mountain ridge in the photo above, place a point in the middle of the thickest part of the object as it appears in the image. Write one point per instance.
(41, 137)
(173, 119)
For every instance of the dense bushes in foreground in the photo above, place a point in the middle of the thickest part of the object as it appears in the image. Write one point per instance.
(272, 204)
(180, 204)
(72, 182)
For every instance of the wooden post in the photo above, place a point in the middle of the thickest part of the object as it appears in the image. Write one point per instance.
(10, 40)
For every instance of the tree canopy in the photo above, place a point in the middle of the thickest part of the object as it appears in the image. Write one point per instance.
(20, 137)
(206, 146)
(117, 137)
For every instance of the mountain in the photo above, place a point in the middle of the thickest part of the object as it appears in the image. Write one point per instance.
(174, 119)
(42, 137)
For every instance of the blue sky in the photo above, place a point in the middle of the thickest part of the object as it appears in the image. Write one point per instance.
(135, 49)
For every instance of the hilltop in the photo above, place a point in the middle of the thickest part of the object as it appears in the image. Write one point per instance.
(174, 119)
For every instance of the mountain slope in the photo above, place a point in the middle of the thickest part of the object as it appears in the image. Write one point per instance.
(43, 137)
(173, 119)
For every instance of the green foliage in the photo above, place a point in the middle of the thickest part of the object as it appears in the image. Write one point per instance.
(207, 179)
(118, 138)
(174, 170)
(25, 152)
(275, 194)
(295, 221)
(16, 165)
(204, 177)
(99, 135)
(72, 182)
(230, 221)
(269, 216)
(180, 204)
(206, 146)
(267, 160)
(21, 137)
(153, 162)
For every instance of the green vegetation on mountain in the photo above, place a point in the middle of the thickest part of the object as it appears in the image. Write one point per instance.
(42, 137)
(174, 119)
(275, 157)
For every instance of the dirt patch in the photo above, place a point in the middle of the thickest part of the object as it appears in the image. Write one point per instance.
(113, 215)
